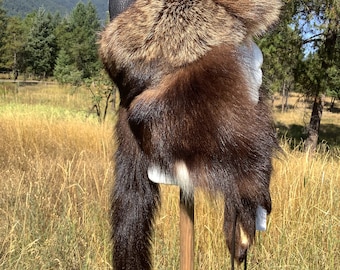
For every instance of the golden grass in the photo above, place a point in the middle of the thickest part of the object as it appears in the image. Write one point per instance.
(56, 174)
(300, 109)
(49, 94)
(303, 229)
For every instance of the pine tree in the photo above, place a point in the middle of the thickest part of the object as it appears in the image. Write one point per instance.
(303, 53)
(65, 72)
(321, 67)
(282, 52)
(3, 26)
(78, 38)
(13, 43)
(41, 48)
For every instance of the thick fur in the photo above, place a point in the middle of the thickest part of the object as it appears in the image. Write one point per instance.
(185, 100)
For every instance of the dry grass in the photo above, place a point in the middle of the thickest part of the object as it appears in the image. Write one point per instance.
(56, 174)
(303, 229)
(295, 121)
(45, 93)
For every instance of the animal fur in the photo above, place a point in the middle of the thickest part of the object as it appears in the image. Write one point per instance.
(187, 103)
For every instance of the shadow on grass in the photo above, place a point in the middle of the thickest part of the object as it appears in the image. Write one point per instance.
(334, 110)
(330, 133)
(293, 134)
(287, 108)
(296, 134)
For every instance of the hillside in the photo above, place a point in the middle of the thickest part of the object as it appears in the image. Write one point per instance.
(22, 7)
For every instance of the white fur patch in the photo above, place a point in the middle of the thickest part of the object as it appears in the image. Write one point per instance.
(252, 59)
(261, 219)
(181, 176)
(156, 175)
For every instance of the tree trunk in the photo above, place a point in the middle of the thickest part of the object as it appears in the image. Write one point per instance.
(331, 107)
(283, 97)
(285, 94)
(314, 124)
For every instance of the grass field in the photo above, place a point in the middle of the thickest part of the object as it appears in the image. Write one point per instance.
(56, 173)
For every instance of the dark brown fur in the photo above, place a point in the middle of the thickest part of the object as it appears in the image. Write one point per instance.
(184, 98)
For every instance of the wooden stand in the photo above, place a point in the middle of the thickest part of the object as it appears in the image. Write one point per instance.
(186, 232)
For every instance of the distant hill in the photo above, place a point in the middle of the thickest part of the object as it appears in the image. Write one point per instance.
(23, 7)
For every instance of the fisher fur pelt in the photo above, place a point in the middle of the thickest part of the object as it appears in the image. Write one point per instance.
(191, 111)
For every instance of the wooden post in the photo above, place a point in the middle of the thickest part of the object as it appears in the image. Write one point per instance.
(186, 232)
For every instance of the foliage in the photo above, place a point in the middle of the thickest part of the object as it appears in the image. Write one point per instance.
(83, 26)
(3, 26)
(103, 92)
(303, 54)
(323, 60)
(282, 52)
(305, 47)
(65, 71)
(41, 48)
(77, 38)
(320, 26)
(14, 43)
(43, 44)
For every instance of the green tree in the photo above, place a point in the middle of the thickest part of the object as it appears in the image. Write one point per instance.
(282, 52)
(320, 27)
(85, 26)
(303, 54)
(13, 43)
(41, 48)
(3, 26)
(65, 71)
(77, 36)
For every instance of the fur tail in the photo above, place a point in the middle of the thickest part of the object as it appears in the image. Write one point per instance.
(135, 201)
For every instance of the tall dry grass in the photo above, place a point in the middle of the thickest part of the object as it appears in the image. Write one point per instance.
(56, 175)
(303, 228)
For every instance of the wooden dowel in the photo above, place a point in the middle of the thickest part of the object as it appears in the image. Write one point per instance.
(186, 232)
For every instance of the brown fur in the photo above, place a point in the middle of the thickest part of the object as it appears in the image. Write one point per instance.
(179, 32)
(184, 98)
